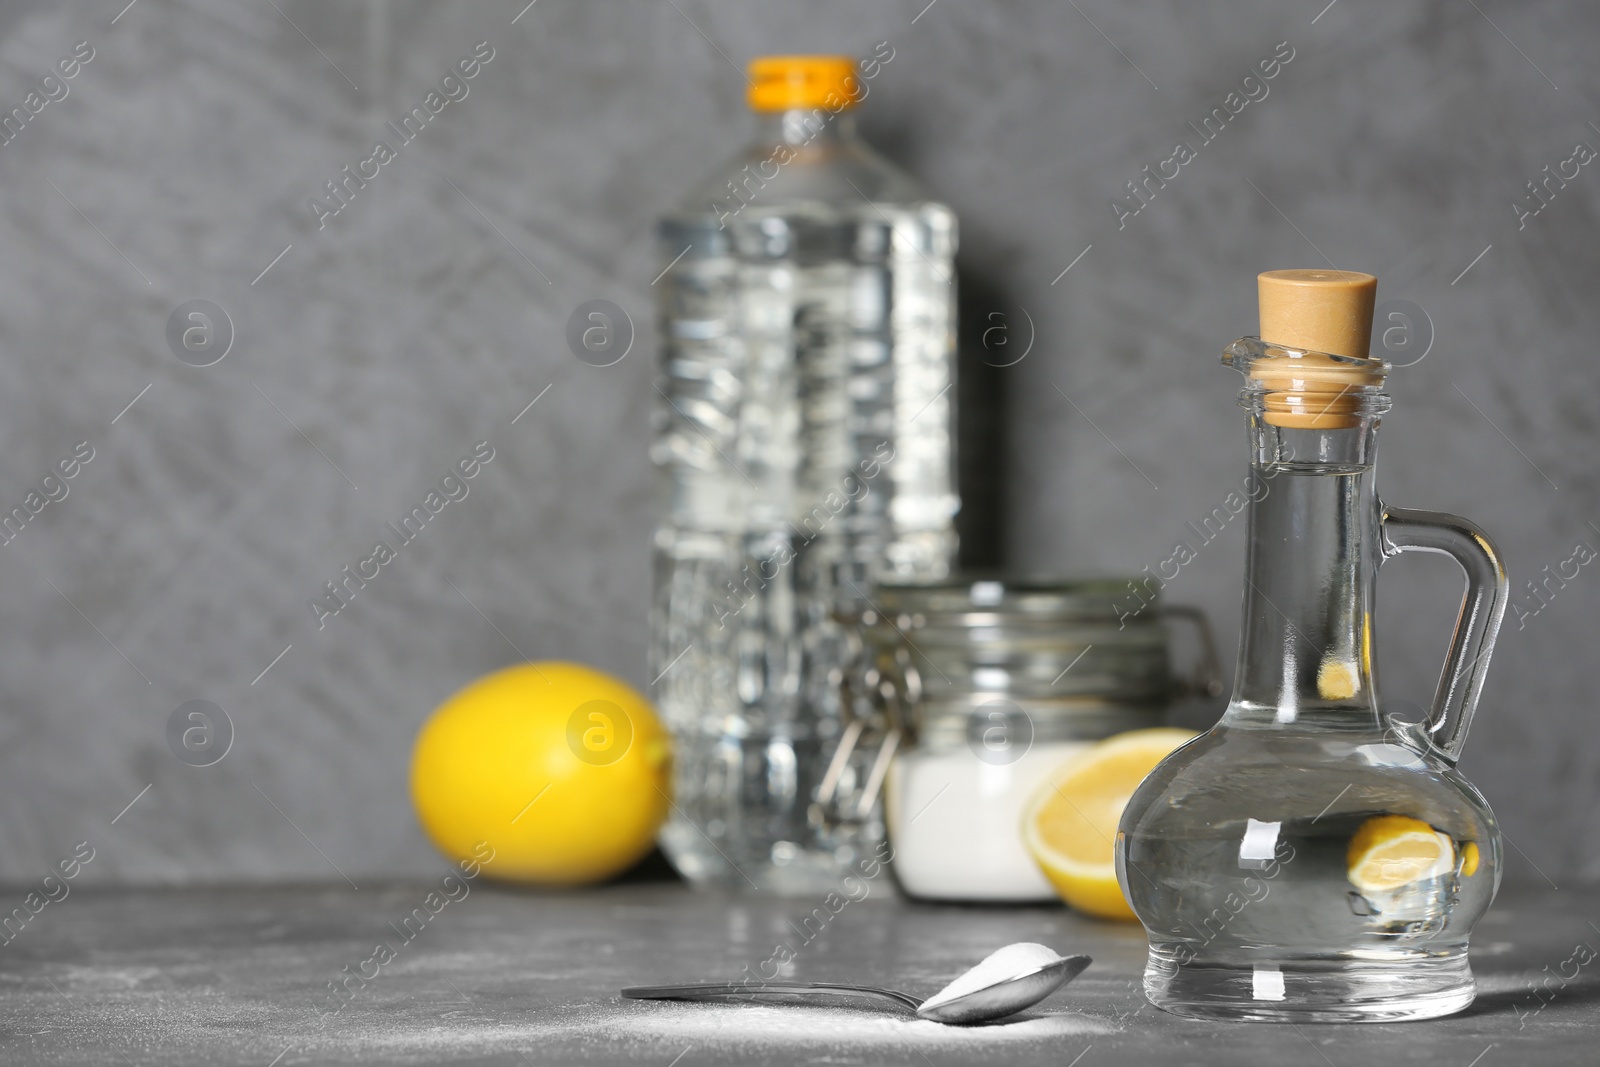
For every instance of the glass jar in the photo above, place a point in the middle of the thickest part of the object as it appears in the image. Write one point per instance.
(982, 688)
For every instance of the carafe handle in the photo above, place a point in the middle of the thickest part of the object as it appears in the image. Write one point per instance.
(1482, 607)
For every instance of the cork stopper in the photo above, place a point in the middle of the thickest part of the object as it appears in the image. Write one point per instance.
(1324, 312)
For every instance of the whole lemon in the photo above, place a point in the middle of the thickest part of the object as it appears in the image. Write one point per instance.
(561, 770)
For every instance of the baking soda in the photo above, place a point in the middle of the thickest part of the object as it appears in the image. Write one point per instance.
(1012, 961)
(956, 822)
(752, 1027)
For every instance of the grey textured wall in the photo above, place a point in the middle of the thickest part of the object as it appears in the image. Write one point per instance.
(376, 351)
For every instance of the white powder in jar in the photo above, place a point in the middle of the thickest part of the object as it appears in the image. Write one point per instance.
(956, 822)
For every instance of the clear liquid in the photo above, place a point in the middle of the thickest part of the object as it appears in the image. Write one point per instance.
(803, 445)
(1299, 899)
(1236, 855)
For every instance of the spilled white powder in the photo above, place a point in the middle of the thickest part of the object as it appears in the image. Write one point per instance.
(1008, 962)
(752, 1027)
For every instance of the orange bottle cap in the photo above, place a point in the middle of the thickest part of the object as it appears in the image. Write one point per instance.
(779, 83)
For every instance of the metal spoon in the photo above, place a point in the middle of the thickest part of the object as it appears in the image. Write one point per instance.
(1005, 996)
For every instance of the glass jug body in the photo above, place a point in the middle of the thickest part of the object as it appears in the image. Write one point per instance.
(1310, 858)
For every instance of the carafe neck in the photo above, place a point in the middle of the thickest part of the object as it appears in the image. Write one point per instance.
(1305, 649)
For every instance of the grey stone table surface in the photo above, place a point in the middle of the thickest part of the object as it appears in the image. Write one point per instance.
(487, 975)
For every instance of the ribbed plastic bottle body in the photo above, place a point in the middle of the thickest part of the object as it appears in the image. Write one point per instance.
(804, 447)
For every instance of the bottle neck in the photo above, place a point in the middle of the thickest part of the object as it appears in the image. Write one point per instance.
(1306, 639)
(805, 128)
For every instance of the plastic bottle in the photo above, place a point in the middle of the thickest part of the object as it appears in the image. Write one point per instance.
(804, 444)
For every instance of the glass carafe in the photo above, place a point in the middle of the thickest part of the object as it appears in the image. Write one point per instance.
(1310, 858)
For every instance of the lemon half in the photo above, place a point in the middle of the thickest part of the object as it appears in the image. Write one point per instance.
(1391, 851)
(1071, 821)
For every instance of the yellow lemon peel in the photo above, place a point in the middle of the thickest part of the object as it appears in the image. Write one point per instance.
(562, 770)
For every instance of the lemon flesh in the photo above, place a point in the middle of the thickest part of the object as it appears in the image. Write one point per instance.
(562, 771)
(1337, 679)
(1071, 821)
(1392, 851)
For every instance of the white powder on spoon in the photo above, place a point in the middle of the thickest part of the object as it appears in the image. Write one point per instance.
(1009, 962)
